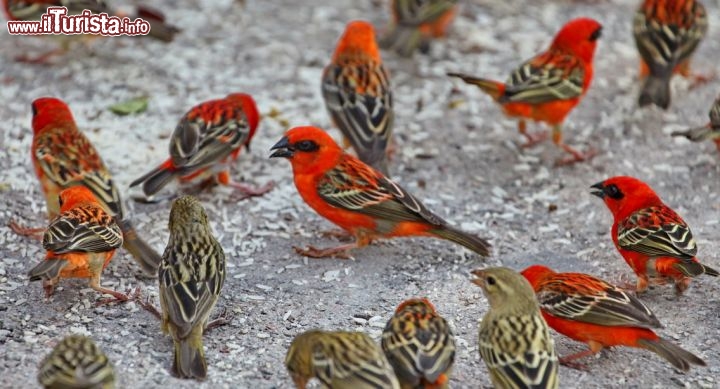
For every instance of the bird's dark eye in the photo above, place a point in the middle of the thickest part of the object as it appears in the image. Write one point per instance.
(60, 200)
(490, 280)
(306, 145)
(613, 192)
(595, 35)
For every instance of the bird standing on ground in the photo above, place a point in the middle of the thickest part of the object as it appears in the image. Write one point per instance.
(590, 310)
(357, 197)
(547, 87)
(653, 239)
(76, 363)
(340, 360)
(708, 131)
(357, 94)
(419, 345)
(666, 32)
(191, 275)
(416, 22)
(80, 243)
(63, 157)
(514, 339)
(207, 140)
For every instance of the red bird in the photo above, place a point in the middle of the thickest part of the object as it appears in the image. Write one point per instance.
(654, 240)
(416, 22)
(80, 242)
(547, 87)
(666, 32)
(358, 198)
(32, 10)
(208, 138)
(708, 131)
(356, 90)
(64, 157)
(590, 310)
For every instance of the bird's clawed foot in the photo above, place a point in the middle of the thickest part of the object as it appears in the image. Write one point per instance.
(147, 305)
(575, 155)
(117, 296)
(340, 252)
(35, 233)
(249, 191)
(43, 59)
(224, 318)
(533, 139)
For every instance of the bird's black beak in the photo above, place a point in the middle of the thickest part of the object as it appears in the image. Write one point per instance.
(282, 149)
(598, 190)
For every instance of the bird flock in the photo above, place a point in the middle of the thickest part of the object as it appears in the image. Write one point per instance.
(88, 221)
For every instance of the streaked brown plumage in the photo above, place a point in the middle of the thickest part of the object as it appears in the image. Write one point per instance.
(76, 363)
(191, 275)
(514, 340)
(419, 345)
(340, 360)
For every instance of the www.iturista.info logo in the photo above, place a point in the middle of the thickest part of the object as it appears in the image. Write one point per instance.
(56, 21)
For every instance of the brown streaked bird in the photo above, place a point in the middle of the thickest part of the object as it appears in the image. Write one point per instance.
(514, 340)
(419, 345)
(191, 276)
(76, 363)
(340, 360)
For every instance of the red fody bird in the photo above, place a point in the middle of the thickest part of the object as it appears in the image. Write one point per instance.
(547, 87)
(416, 22)
(590, 310)
(207, 140)
(667, 33)
(80, 242)
(358, 198)
(32, 10)
(654, 240)
(357, 94)
(63, 157)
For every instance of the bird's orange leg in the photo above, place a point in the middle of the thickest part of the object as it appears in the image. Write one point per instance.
(147, 305)
(49, 286)
(594, 348)
(35, 233)
(117, 296)
(338, 234)
(224, 179)
(340, 252)
(577, 156)
(532, 139)
(43, 59)
(681, 285)
(696, 79)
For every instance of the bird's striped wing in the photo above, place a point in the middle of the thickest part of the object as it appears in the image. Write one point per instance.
(207, 134)
(667, 34)
(524, 355)
(657, 232)
(358, 97)
(85, 228)
(356, 187)
(352, 360)
(76, 362)
(548, 77)
(190, 283)
(417, 12)
(67, 158)
(583, 298)
(418, 343)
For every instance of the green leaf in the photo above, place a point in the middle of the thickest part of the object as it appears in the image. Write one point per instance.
(132, 106)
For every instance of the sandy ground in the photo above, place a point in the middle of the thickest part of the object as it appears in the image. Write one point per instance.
(463, 161)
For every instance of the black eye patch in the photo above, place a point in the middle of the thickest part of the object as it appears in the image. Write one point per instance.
(306, 145)
(613, 192)
(595, 35)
